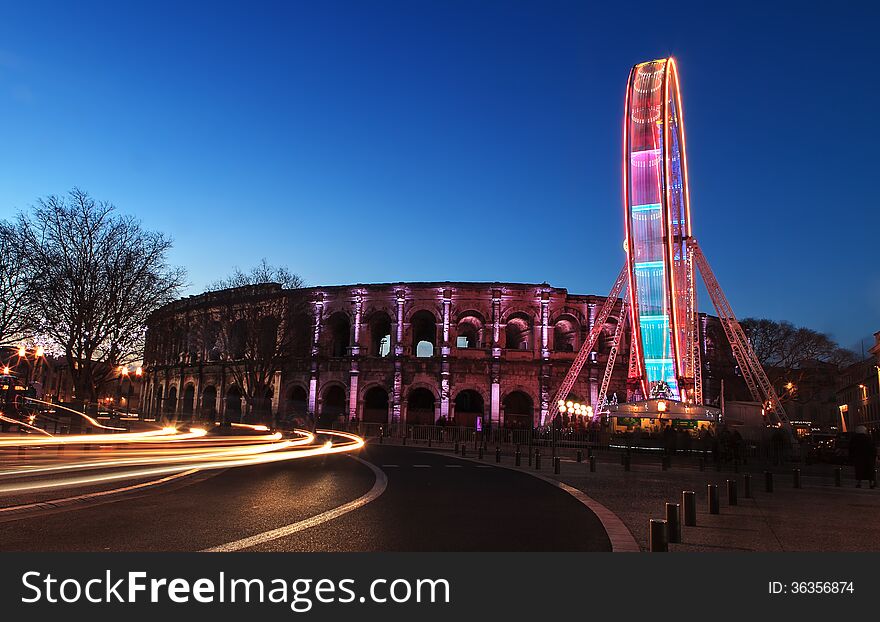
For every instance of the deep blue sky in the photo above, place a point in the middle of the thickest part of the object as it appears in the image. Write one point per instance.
(453, 140)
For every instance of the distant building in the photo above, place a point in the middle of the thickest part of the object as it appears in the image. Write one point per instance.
(858, 393)
(51, 378)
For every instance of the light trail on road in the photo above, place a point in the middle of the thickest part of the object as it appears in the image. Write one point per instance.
(32, 464)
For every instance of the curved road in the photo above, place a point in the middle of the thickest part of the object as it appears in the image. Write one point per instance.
(433, 502)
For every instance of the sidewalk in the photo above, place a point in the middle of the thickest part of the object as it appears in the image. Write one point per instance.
(816, 517)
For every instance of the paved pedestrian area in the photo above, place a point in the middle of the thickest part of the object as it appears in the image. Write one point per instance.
(818, 516)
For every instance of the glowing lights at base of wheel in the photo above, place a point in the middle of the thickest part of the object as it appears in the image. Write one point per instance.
(40, 463)
(575, 409)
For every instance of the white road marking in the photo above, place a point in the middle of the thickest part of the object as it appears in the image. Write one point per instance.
(422, 466)
(452, 466)
(389, 466)
(483, 466)
(273, 534)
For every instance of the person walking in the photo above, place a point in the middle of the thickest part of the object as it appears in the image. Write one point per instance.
(863, 455)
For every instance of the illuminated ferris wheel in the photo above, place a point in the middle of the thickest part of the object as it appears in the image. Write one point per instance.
(657, 282)
(659, 266)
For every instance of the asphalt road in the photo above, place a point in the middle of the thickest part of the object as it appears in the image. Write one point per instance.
(433, 502)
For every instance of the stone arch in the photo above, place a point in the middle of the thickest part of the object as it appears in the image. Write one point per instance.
(518, 332)
(187, 406)
(469, 406)
(171, 400)
(420, 406)
(566, 331)
(376, 403)
(232, 405)
(333, 404)
(469, 328)
(519, 410)
(339, 334)
(296, 402)
(209, 402)
(423, 325)
(379, 324)
(238, 336)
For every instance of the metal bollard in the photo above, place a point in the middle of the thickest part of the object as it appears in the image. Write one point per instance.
(837, 477)
(517, 457)
(702, 464)
(673, 522)
(747, 486)
(714, 505)
(626, 462)
(768, 481)
(404, 440)
(657, 536)
(556, 465)
(480, 452)
(530, 457)
(537, 460)
(381, 436)
(796, 477)
(580, 455)
(463, 449)
(689, 503)
(456, 448)
(497, 454)
(592, 464)
(731, 492)
(429, 440)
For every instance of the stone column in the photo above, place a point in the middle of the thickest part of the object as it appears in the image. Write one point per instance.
(495, 365)
(396, 396)
(316, 341)
(544, 388)
(444, 357)
(355, 356)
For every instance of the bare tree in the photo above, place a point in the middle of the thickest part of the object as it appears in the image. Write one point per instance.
(264, 272)
(257, 322)
(796, 358)
(97, 276)
(16, 281)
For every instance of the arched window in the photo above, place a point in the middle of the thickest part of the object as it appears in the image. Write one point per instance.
(376, 405)
(420, 407)
(340, 334)
(424, 333)
(209, 402)
(333, 405)
(518, 411)
(301, 334)
(380, 334)
(211, 335)
(518, 332)
(189, 398)
(171, 400)
(470, 332)
(238, 335)
(565, 334)
(297, 403)
(468, 408)
(233, 405)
